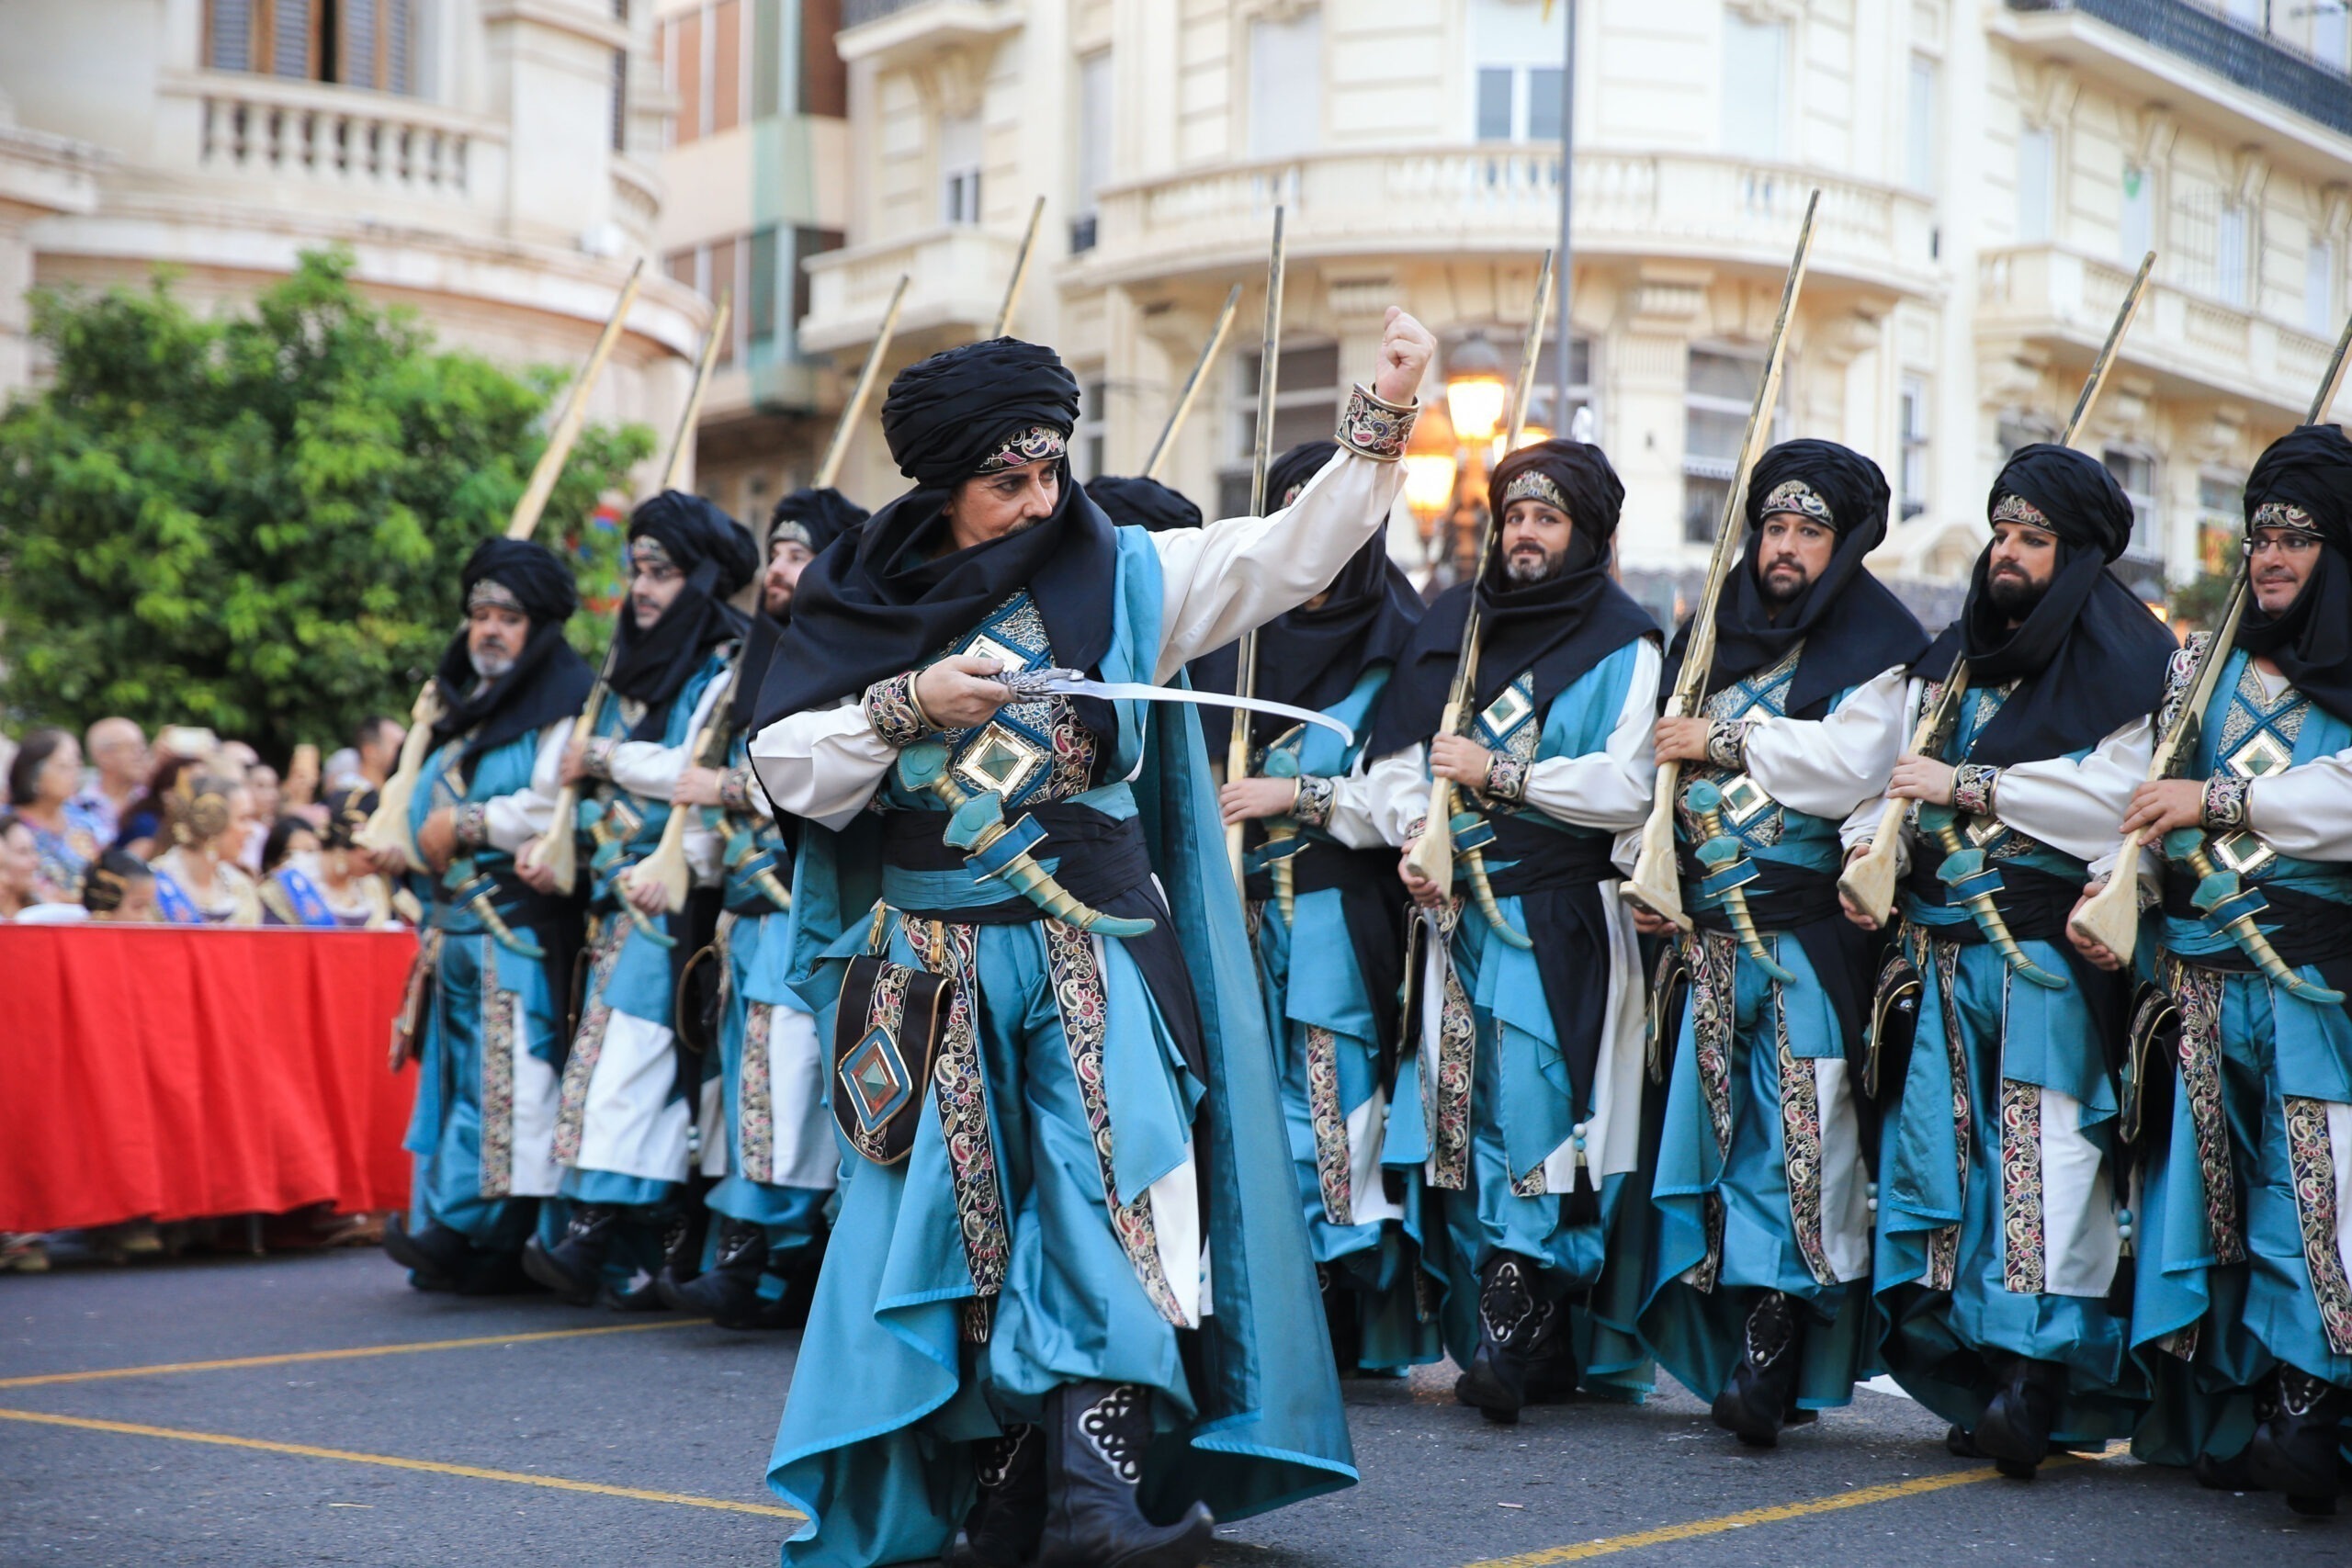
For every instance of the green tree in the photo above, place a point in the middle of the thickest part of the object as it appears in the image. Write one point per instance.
(255, 520)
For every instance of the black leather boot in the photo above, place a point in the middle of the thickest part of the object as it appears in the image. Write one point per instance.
(2294, 1445)
(435, 1256)
(573, 1267)
(1508, 1315)
(1552, 1373)
(1754, 1405)
(1009, 1515)
(1095, 1437)
(1342, 1316)
(728, 1292)
(2013, 1431)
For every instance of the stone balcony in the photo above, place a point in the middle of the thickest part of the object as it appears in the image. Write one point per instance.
(957, 274)
(900, 32)
(1504, 200)
(2055, 299)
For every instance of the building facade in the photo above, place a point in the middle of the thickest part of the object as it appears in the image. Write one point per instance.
(491, 163)
(1990, 174)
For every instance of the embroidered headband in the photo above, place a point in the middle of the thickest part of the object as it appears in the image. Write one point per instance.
(1031, 443)
(791, 531)
(2013, 508)
(1536, 485)
(1795, 495)
(2282, 514)
(646, 553)
(490, 591)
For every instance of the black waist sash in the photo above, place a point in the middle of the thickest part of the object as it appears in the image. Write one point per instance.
(2303, 929)
(1556, 878)
(1545, 858)
(1373, 903)
(2034, 905)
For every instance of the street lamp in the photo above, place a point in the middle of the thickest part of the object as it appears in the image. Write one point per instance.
(1474, 389)
(1428, 467)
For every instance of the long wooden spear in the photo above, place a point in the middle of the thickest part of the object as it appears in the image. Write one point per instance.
(853, 410)
(1020, 271)
(1162, 448)
(1245, 678)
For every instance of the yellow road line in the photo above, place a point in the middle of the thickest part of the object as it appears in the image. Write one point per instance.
(392, 1462)
(357, 1353)
(1861, 1497)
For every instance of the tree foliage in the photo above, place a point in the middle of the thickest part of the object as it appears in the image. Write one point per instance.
(255, 520)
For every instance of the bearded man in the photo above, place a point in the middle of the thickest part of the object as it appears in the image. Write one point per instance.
(2000, 1205)
(1528, 1071)
(485, 1012)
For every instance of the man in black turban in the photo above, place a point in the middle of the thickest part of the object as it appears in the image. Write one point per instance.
(1997, 1276)
(1140, 503)
(495, 985)
(1043, 1163)
(2246, 1303)
(1530, 1033)
(1801, 722)
(631, 1090)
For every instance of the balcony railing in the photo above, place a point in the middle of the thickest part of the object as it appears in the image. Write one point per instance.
(1497, 199)
(956, 276)
(2252, 57)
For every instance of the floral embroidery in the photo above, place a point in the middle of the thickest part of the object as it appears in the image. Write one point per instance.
(2197, 992)
(735, 791)
(755, 1106)
(2013, 508)
(1801, 1146)
(1031, 443)
(597, 760)
(1374, 428)
(470, 824)
(1972, 788)
(1728, 744)
(1449, 1089)
(1534, 484)
(1313, 806)
(1078, 995)
(2314, 1161)
(1331, 1166)
(1795, 495)
(499, 1010)
(891, 711)
(1943, 1243)
(2179, 671)
(587, 1044)
(1506, 776)
(960, 1093)
(2023, 1249)
(1712, 958)
(2226, 802)
(1034, 749)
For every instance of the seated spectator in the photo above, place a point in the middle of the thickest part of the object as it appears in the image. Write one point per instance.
(19, 866)
(45, 775)
(324, 880)
(117, 750)
(377, 741)
(119, 890)
(197, 880)
(143, 820)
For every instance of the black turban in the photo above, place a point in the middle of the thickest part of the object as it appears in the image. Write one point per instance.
(2089, 656)
(652, 665)
(945, 415)
(1853, 628)
(2310, 471)
(1142, 504)
(1554, 631)
(1288, 474)
(549, 680)
(815, 517)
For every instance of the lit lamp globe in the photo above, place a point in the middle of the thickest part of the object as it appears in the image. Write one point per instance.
(1475, 391)
(1529, 434)
(1429, 465)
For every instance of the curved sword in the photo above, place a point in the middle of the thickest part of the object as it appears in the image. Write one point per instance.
(1027, 684)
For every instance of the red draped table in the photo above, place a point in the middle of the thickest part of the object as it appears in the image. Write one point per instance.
(174, 1073)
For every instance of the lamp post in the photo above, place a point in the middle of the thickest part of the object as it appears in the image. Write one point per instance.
(1475, 393)
(1429, 460)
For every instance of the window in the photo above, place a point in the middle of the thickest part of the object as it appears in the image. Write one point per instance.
(2136, 227)
(1519, 103)
(1919, 150)
(2220, 516)
(1285, 85)
(1720, 390)
(2136, 472)
(2329, 31)
(726, 98)
(2230, 233)
(1306, 405)
(2319, 288)
(959, 168)
(2036, 154)
(1094, 163)
(1093, 418)
(759, 293)
(360, 43)
(685, 57)
(620, 100)
(1912, 496)
(1755, 56)
(806, 243)
(1516, 47)
(709, 69)
(824, 80)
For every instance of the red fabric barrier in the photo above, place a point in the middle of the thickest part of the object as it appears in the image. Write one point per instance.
(174, 1073)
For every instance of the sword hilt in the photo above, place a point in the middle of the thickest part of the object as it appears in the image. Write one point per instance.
(2230, 905)
(1965, 871)
(1728, 873)
(975, 825)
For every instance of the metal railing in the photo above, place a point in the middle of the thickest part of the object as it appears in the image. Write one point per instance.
(2251, 56)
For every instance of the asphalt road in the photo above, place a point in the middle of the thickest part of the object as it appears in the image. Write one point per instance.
(644, 1448)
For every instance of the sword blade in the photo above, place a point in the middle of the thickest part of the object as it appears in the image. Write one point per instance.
(1071, 684)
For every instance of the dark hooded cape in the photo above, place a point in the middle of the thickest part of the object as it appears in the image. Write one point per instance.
(714, 552)
(548, 682)
(2311, 641)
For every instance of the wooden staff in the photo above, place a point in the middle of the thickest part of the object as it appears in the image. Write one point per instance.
(853, 410)
(1020, 271)
(387, 832)
(1432, 855)
(2111, 916)
(1869, 883)
(1657, 882)
(1245, 675)
(1167, 442)
(558, 850)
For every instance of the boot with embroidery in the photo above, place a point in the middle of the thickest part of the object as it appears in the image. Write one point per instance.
(1509, 1311)
(1009, 1515)
(1552, 1370)
(1754, 1406)
(2294, 1447)
(2013, 1431)
(728, 1292)
(1095, 1437)
(573, 1267)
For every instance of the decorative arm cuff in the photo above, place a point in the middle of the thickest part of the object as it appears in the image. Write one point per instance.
(598, 759)
(735, 791)
(1972, 788)
(472, 825)
(892, 711)
(1373, 428)
(1728, 744)
(2226, 802)
(1505, 777)
(1313, 806)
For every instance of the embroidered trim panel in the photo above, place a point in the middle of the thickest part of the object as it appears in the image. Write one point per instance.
(959, 1092)
(1534, 484)
(1031, 444)
(1313, 806)
(2024, 1244)
(597, 760)
(1943, 1243)
(735, 791)
(1332, 1172)
(470, 824)
(2224, 808)
(1728, 744)
(1972, 788)
(500, 1010)
(587, 1044)
(891, 712)
(2197, 992)
(1082, 999)
(754, 1098)
(2313, 1162)
(1505, 777)
(1795, 495)
(1372, 427)
(1801, 1153)
(1712, 958)
(1448, 1089)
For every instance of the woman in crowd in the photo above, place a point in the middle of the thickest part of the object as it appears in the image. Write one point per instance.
(197, 880)
(44, 776)
(141, 831)
(314, 878)
(19, 866)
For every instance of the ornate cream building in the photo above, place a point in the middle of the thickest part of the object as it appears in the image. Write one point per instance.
(492, 163)
(1990, 174)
